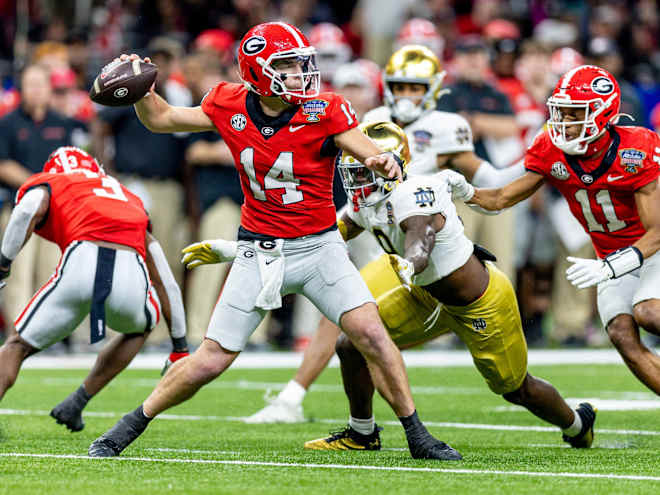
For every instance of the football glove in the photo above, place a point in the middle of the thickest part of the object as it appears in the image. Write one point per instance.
(404, 269)
(171, 359)
(209, 252)
(586, 272)
(460, 188)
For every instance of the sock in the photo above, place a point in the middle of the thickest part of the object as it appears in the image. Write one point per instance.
(293, 393)
(137, 419)
(575, 428)
(416, 433)
(362, 426)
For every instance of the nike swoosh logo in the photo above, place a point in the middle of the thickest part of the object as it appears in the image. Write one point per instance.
(612, 178)
(268, 262)
(295, 128)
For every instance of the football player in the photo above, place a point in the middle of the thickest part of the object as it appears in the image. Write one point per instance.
(284, 136)
(433, 280)
(413, 82)
(109, 262)
(609, 177)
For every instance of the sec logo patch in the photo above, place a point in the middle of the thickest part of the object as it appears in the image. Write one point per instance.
(238, 121)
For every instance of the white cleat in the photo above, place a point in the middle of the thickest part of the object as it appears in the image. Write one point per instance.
(278, 411)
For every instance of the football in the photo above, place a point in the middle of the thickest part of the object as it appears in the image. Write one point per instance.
(123, 83)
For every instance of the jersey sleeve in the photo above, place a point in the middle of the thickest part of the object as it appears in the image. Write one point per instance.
(651, 169)
(452, 134)
(34, 181)
(212, 102)
(340, 116)
(422, 195)
(535, 155)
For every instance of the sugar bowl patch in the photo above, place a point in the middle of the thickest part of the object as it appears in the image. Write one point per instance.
(314, 108)
(632, 159)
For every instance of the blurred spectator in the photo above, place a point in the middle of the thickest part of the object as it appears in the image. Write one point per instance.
(421, 32)
(28, 135)
(605, 53)
(332, 50)
(496, 139)
(216, 42)
(353, 82)
(554, 33)
(68, 99)
(655, 118)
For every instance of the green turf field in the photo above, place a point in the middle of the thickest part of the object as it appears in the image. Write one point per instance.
(201, 448)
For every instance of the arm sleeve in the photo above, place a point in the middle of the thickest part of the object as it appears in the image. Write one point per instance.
(451, 134)
(341, 116)
(488, 176)
(210, 101)
(19, 222)
(651, 169)
(178, 316)
(534, 156)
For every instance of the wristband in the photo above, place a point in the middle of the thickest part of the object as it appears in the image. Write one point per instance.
(624, 261)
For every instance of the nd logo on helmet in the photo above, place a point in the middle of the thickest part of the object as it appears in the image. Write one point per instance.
(253, 45)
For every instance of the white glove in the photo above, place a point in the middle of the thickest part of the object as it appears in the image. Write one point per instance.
(460, 188)
(404, 268)
(208, 252)
(585, 273)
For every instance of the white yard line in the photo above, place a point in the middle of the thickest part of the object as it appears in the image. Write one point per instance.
(260, 360)
(628, 477)
(438, 424)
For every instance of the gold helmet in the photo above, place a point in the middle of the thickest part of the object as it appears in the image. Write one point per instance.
(414, 64)
(363, 186)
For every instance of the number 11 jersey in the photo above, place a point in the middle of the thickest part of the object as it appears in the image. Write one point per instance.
(601, 192)
(285, 163)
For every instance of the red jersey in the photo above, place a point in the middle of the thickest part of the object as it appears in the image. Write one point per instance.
(285, 164)
(601, 192)
(88, 207)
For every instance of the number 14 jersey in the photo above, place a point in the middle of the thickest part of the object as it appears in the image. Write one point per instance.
(89, 207)
(285, 164)
(601, 192)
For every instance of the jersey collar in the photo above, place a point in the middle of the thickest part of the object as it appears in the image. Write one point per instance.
(268, 126)
(589, 178)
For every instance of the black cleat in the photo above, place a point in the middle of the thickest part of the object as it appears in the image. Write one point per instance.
(435, 450)
(120, 436)
(68, 414)
(585, 438)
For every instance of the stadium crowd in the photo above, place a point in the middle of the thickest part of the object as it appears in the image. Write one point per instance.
(502, 59)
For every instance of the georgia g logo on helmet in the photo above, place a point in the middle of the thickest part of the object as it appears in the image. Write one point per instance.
(602, 85)
(253, 45)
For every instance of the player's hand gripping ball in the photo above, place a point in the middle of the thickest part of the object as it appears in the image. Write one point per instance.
(123, 81)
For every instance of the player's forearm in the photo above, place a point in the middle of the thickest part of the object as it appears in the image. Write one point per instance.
(348, 228)
(490, 199)
(495, 126)
(418, 247)
(21, 224)
(649, 243)
(168, 291)
(155, 113)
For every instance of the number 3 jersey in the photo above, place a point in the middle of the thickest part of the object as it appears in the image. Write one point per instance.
(418, 195)
(286, 164)
(601, 192)
(89, 208)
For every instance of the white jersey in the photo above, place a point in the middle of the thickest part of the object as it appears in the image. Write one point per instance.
(419, 195)
(434, 133)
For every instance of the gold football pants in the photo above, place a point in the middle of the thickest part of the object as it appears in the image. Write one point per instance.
(490, 326)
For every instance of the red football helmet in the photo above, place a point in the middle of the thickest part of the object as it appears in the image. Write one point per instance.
(591, 89)
(332, 48)
(69, 159)
(420, 32)
(270, 42)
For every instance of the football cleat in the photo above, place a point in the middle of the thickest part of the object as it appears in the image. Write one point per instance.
(117, 438)
(347, 439)
(436, 450)
(68, 414)
(585, 438)
(277, 411)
